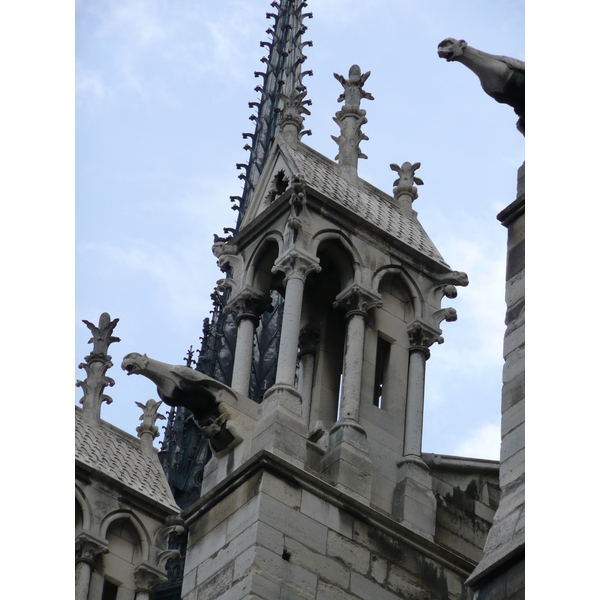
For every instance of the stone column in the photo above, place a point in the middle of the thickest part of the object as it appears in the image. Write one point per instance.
(281, 428)
(249, 305)
(347, 460)
(308, 341)
(242, 364)
(353, 362)
(415, 397)
(86, 549)
(414, 501)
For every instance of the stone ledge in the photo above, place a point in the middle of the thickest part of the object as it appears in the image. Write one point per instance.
(266, 461)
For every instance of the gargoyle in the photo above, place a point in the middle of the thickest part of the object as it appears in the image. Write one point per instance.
(183, 386)
(501, 77)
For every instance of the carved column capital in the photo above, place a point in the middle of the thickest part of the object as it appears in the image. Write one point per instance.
(147, 577)
(308, 340)
(87, 547)
(422, 336)
(296, 264)
(248, 303)
(357, 299)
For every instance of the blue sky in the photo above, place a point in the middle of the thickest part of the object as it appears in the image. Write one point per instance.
(161, 103)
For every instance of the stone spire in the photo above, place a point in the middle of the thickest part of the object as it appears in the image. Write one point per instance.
(96, 364)
(350, 119)
(282, 81)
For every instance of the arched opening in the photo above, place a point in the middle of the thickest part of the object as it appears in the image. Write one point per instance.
(386, 345)
(124, 553)
(337, 272)
(266, 336)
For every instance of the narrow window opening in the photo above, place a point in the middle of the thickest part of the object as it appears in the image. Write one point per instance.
(381, 371)
(109, 591)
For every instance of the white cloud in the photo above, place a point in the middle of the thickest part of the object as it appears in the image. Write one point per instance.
(483, 442)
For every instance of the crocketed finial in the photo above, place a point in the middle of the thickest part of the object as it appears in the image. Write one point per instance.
(350, 119)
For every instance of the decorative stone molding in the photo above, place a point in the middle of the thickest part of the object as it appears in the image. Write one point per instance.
(226, 254)
(296, 264)
(96, 364)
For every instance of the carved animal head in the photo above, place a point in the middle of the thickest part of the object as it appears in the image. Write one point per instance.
(451, 49)
(134, 362)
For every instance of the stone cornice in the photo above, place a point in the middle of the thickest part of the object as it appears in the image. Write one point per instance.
(512, 212)
(266, 461)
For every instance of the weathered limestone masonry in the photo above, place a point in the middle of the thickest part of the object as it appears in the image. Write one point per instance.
(322, 491)
(501, 572)
(274, 531)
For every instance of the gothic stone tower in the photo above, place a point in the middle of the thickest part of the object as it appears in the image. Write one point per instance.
(322, 490)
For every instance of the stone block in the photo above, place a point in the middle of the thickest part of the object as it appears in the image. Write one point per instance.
(515, 289)
(227, 554)
(350, 553)
(369, 590)
(325, 568)
(240, 591)
(414, 501)
(405, 585)
(206, 546)
(379, 568)
(514, 339)
(283, 433)
(288, 575)
(331, 592)
(513, 391)
(243, 563)
(459, 544)
(512, 468)
(242, 518)
(514, 365)
(225, 508)
(515, 259)
(293, 523)
(217, 585)
(513, 417)
(284, 491)
(265, 588)
(189, 582)
(322, 511)
(483, 511)
(512, 442)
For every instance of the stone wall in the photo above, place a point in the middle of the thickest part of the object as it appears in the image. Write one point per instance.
(273, 532)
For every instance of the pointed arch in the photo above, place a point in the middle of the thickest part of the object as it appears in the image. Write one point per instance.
(137, 524)
(339, 236)
(413, 288)
(257, 256)
(84, 505)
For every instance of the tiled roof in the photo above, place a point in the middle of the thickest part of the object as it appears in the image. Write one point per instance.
(365, 200)
(118, 455)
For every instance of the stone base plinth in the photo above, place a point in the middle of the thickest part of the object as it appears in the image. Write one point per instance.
(281, 428)
(414, 501)
(347, 463)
